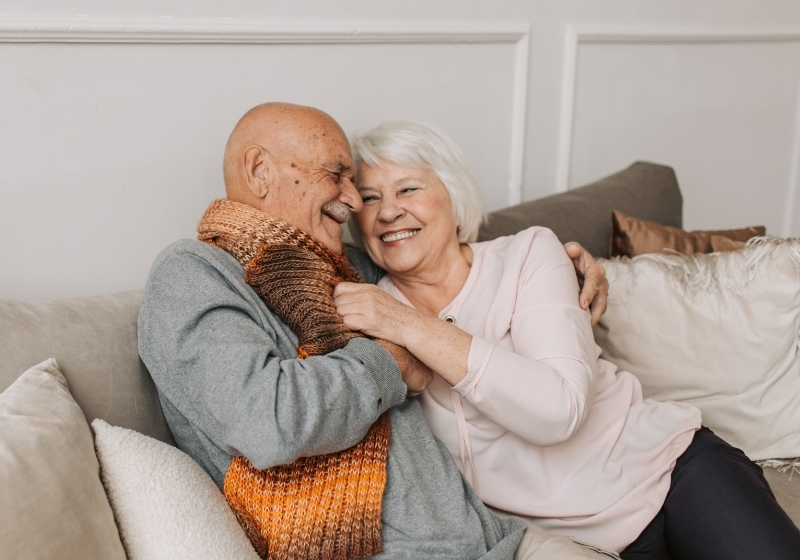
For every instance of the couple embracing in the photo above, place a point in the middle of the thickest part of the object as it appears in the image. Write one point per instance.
(433, 397)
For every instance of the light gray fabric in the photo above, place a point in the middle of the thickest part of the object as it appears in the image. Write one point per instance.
(643, 190)
(786, 487)
(225, 369)
(52, 504)
(94, 341)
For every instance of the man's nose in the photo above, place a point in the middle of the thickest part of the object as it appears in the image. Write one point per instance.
(350, 196)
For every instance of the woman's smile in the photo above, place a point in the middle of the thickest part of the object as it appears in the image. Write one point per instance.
(398, 235)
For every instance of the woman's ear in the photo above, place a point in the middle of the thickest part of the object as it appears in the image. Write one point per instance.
(257, 166)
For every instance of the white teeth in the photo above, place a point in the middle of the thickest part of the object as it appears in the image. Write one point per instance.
(399, 235)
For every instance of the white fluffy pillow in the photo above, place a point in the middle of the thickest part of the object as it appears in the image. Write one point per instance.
(166, 506)
(719, 331)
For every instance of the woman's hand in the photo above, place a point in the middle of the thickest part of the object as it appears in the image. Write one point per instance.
(367, 308)
(439, 345)
(594, 290)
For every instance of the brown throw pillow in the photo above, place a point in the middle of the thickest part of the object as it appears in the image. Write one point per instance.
(632, 236)
(721, 244)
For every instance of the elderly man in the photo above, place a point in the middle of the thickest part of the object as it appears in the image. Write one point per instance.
(306, 427)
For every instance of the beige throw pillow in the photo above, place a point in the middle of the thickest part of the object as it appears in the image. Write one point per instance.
(719, 331)
(52, 504)
(166, 506)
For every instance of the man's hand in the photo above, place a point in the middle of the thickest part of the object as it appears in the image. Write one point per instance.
(592, 276)
(416, 375)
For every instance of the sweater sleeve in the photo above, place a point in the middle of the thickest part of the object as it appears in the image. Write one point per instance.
(227, 364)
(542, 390)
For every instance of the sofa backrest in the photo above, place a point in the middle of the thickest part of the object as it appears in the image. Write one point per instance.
(94, 341)
(643, 190)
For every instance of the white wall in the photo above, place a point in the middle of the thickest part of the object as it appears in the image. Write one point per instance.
(114, 114)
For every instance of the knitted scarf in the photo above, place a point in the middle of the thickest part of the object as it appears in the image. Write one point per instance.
(321, 507)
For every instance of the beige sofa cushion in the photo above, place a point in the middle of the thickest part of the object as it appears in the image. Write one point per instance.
(52, 504)
(719, 331)
(95, 342)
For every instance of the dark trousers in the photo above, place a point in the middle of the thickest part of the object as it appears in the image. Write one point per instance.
(719, 506)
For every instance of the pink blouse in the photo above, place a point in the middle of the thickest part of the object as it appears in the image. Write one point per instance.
(541, 426)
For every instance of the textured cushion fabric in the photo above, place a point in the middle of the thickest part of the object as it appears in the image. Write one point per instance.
(166, 506)
(95, 342)
(644, 190)
(786, 487)
(52, 504)
(719, 331)
(631, 237)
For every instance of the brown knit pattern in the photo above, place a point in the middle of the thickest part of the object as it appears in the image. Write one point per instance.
(321, 507)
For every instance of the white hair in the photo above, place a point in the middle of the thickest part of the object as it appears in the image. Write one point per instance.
(422, 146)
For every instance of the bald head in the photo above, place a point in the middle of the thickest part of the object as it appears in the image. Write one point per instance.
(293, 162)
(279, 128)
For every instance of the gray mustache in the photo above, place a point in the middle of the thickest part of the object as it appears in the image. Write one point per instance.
(338, 209)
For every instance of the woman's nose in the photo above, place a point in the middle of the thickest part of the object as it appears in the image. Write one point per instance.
(390, 211)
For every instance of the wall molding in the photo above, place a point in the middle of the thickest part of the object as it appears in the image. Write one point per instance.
(577, 35)
(86, 29)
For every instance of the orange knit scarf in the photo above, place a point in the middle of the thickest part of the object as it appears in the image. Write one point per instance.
(321, 507)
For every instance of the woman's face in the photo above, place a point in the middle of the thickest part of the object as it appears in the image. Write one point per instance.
(407, 222)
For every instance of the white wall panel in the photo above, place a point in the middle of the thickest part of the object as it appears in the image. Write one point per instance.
(721, 112)
(110, 146)
(109, 152)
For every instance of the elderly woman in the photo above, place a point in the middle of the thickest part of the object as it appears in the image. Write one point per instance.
(539, 425)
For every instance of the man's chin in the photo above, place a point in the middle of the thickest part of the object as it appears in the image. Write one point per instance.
(333, 239)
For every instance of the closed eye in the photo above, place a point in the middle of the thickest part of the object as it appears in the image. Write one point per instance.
(368, 198)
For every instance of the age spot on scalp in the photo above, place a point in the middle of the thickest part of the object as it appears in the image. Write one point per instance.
(293, 165)
(297, 182)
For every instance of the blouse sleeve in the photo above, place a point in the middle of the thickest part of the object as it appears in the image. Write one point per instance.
(542, 390)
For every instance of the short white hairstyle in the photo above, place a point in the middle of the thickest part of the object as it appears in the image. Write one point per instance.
(422, 146)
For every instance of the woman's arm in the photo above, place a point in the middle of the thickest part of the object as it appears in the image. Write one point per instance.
(542, 390)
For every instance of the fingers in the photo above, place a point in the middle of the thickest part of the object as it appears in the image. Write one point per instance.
(350, 288)
(594, 295)
(599, 306)
(588, 293)
(574, 250)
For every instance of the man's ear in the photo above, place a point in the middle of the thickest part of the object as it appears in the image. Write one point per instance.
(257, 167)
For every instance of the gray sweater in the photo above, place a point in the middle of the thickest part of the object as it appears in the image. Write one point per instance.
(229, 384)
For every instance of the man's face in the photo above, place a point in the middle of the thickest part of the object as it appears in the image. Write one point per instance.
(312, 183)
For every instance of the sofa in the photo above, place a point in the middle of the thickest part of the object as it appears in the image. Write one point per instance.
(94, 339)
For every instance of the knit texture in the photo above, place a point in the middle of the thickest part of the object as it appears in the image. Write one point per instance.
(320, 507)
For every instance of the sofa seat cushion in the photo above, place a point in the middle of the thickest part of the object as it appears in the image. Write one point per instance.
(786, 487)
(52, 504)
(95, 342)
